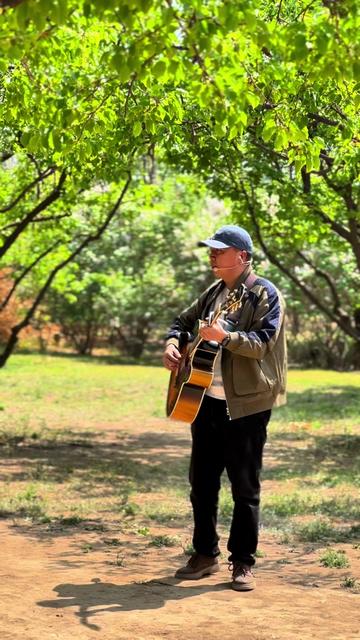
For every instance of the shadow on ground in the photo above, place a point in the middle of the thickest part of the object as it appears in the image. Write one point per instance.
(98, 597)
(149, 459)
(112, 464)
(311, 405)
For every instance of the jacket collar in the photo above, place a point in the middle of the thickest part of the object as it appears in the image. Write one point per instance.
(220, 285)
(244, 276)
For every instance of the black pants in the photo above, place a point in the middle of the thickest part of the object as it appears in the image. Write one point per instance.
(237, 446)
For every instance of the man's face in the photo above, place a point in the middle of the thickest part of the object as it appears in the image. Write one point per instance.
(227, 259)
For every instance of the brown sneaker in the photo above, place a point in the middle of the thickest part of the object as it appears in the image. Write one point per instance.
(242, 577)
(197, 567)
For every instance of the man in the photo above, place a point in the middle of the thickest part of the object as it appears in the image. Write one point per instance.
(229, 431)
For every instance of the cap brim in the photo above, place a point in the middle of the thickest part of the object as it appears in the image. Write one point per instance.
(214, 244)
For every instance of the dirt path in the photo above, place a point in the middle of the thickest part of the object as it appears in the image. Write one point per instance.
(50, 589)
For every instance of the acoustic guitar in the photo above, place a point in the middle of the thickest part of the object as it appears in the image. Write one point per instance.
(195, 372)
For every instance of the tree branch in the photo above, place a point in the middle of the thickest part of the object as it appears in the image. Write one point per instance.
(344, 190)
(355, 239)
(342, 321)
(10, 4)
(322, 274)
(30, 186)
(303, 11)
(52, 197)
(342, 231)
(5, 155)
(41, 219)
(90, 238)
(323, 119)
(21, 277)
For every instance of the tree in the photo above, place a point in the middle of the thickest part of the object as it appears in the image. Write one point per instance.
(307, 225)
(88, 89)
(142, 271)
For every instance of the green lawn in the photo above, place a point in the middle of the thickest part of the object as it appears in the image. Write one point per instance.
(82, 438)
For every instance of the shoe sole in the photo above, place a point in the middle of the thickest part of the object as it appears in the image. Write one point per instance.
(199, 574)
(242, 587)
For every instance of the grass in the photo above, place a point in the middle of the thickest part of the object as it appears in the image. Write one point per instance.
(82, 439)
(351, 583)
(164, 541)
(167, 513)
(332, 558)
(320, 530)
(304, 502)
(26, 503)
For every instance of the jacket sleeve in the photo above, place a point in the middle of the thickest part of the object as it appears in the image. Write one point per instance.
(186, 321)
(265, 327)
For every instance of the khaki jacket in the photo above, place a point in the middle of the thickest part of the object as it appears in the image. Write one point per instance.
(254, 362)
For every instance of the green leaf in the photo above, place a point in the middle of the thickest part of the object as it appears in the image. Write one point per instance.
(299, 163)
(159, 69)
(118, 62)
(233, 132)
(252, 99)
(219, 130)
(298, 135)
(54, 139)
(309, 163)
(242, 117)
(150, 126)
(33, 143)
(87, 9)
(39, 19)
(316, 162)
(269, 128)
(25, 137)
(137, 129)
(281, 140)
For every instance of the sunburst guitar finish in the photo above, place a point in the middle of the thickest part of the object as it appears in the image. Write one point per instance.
(188, 383)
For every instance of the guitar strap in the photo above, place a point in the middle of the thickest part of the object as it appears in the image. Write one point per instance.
(250, 280)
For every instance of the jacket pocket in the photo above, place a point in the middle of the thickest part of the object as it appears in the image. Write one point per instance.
(248, 377)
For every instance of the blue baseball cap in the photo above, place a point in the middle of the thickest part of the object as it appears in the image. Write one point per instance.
(229, 236)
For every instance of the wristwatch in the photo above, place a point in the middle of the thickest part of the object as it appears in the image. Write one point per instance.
(226, 340)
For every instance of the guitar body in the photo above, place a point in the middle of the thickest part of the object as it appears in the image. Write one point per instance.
(189, 382)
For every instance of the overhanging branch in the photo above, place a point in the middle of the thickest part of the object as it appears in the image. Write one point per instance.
(21, 277)
(30, 186)
(21, 226)
(90, 238)
(342, 320)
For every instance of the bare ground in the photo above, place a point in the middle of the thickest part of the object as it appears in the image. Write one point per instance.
(50, 588)
(106, 581)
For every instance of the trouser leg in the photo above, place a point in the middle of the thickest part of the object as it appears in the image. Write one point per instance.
(206, 466)
(244, 444)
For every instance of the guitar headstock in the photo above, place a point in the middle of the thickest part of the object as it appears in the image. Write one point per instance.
(232, 302)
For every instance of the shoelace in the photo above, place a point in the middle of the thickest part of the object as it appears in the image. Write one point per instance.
(238, 568)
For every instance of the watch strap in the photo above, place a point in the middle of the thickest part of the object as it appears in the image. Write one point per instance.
(226, 340)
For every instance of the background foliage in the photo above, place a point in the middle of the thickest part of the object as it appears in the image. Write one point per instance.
(258, 100)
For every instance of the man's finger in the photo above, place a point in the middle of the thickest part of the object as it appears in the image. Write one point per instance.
(174, 356)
